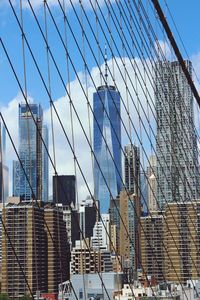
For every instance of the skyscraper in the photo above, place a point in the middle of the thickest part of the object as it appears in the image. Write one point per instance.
(176, 143)
(132, 169)
(107, 144)
(4, 180)
(33, 156)
(16, 178)
(45, 164)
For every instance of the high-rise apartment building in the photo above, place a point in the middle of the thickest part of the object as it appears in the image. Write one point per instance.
(107, 145)
(39, 237)
(181, 241)
(132, 169)
(176, 143)
(24, 224)
(33, 166)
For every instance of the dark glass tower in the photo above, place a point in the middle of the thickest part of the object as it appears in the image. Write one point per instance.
(64, 189)
(107, 144)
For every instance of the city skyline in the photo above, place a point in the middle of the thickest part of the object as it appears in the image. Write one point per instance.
(112, 189)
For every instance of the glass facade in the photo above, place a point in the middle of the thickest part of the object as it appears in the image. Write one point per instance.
(107, 144)
(45, 164)
(16, 178)
(4, 171)
(30, 152)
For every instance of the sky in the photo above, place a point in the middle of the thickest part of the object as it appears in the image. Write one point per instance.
(186, 14)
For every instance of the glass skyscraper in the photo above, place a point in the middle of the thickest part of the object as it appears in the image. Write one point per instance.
(107, 144)
(45, 164)
(4, 186)
(33, 157)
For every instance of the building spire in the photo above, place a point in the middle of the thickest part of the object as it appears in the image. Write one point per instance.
(106, 65)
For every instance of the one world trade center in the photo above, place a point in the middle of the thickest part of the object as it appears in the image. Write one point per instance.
(107, 145)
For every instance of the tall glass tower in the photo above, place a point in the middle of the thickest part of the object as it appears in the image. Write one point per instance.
(45, 164)
(4, 179)
(107, 144)
(31, 153)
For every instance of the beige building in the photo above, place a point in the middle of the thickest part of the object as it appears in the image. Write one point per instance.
(85, 260)
(35, 253)
(24, 223)
(170, 244)
(182, 240)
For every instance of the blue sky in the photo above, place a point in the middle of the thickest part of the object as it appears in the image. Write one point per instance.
(186, 14)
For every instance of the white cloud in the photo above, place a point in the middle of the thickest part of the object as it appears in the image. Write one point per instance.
(5, 2)
(162, 47)
(85, 3)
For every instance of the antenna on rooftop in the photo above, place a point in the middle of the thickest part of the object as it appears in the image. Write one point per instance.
(106, 65)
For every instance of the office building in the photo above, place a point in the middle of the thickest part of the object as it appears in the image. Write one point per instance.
(181, 241)
(176, 143)
(64, 189)
(4, 172)
(129, 231)
(114, 212)
(132, 169)
(144, 191)
(30, 174)
(87, 217)
(16, 178)
(152, 252)
(71, 218)
(152, 184)
(25, 226)
(45, 164)
(101, 232)
(107, 145)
